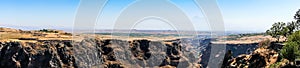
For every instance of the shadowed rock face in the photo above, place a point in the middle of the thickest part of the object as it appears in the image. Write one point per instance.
(140, 49)
(96, 53)
(110, 53)
(173, 54)
(89, 53)
(37, 55)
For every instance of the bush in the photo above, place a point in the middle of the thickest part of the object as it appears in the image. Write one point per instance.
(48, 31)
(295, 37)
(290, 51)
(275, 65)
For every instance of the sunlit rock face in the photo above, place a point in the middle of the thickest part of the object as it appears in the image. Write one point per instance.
(260, 57)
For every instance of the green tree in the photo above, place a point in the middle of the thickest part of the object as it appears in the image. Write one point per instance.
(291, 27)
(277, 30)
(295, 37)
(297, 16)
(290, 50)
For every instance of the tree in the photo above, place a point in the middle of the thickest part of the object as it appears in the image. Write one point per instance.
(291, 26)
(277, 30)
(297, 16)
(285, 29)
(290, 50)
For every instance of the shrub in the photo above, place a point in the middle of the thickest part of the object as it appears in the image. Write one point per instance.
(295, 37)
(275, 65)
(48, 31)
(290, 51)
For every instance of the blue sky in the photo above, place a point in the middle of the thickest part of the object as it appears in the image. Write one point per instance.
(239, 15)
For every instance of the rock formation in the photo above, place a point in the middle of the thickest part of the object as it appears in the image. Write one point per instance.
(109, 53)
(37, 55)
(261, 57)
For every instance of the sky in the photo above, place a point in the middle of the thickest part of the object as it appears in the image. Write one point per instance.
(238, 15)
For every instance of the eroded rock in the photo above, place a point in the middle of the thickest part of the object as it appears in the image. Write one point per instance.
(261, 57)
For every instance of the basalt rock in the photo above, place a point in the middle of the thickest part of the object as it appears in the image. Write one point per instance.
(260, 58)
(90, 53)
(37, 55)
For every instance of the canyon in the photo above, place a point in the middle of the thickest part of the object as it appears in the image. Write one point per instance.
(39, 49)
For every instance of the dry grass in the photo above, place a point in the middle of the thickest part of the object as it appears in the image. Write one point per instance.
(5, 36)
(247, 40)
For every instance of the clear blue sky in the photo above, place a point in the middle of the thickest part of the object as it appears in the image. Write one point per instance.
(239, 15)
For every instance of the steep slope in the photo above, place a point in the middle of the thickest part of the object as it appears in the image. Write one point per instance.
(261, 57)
(109, 53)
(37, 55)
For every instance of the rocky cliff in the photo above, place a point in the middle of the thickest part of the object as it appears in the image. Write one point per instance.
(113, 53)
(261, 57)
(37, 55)
(109, 53)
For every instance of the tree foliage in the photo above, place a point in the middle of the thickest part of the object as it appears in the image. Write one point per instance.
(295, 37)
(278, 29)
(285, 29)
(292, 26)
(290, 50)
(297, 16)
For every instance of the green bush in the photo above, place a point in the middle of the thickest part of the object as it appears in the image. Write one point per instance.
(295, 37)
(48, 31)
(290, 51)
(275, 65)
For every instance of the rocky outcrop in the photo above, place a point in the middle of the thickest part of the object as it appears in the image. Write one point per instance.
(108, 55)
(173, 54)
(157, 54)
(234, 49)
(261, 57)
(37, 55)
(140, 49)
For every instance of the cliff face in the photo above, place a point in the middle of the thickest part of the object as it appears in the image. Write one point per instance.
(235, 49)
(108, 53)
(112, 53)
(261, 57)
(36, 55)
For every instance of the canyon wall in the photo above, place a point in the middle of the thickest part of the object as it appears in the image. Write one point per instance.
(112, 53)
(89, 53)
